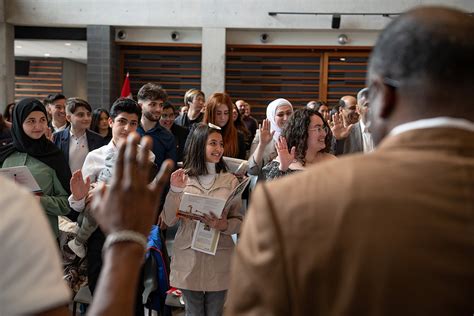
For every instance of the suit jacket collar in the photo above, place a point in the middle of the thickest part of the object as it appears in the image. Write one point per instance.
(439, 139)
(65, 135)
(356, 137)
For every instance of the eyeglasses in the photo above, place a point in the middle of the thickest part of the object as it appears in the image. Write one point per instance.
(167, 116)
(319, 129)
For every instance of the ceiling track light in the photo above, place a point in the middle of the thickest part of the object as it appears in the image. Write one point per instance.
(384, 14)
(336, 21)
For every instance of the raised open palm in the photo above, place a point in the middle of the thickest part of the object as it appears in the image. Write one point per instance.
(265, 134)
(286, 157)
(340, 129)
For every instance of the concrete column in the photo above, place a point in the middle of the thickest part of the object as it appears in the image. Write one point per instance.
(213, 60)
(102, 66)
(7, 60)
(74, 79)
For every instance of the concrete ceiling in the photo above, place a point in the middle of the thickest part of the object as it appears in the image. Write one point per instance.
(74, 50)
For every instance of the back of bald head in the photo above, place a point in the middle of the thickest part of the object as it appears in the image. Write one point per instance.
(347, 101)
(428, 52)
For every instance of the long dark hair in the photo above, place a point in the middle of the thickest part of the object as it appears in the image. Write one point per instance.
(3, 125)
(6, 114)
(96, 119)
(296, 132)
(239, 124)
(195, 158)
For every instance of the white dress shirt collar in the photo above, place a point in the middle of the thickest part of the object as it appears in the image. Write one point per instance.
(436, 122)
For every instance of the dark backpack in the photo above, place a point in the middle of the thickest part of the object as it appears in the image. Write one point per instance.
(155, 273)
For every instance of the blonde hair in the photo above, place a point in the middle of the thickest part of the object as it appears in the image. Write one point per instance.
(191, 94)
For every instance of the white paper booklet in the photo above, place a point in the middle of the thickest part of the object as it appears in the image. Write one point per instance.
(205, 239)
(194, 206)
(21, 175)
(236, 166)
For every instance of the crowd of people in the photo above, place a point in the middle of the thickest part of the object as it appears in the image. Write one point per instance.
(339, 236)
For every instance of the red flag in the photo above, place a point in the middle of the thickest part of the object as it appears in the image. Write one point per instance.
(126, 92)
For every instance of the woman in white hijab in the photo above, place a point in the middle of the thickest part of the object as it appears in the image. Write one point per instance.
(263, 149)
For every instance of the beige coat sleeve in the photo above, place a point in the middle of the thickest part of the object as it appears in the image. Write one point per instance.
(171, 208)
(259, 280)
(234, 217)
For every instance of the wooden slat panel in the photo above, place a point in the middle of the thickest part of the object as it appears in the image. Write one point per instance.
(232, 92)
(163, 68)
(260, 75)
(44, 78)
(182, 52)
(37, 90)
(46, 62)
(46, 67)
(132, 60)
(346, 74)
(41, 84)
(177, 69)
(275, 76)
(270, 53)
(161, 75)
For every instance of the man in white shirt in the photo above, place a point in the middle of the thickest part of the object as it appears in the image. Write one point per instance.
(76, 141)
(56, 106)
(124, 118)
(363, 109)
(353, 137)
(384, 233)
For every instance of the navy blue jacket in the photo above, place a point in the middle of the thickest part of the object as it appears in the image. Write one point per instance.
(61, 140)
(164, 145)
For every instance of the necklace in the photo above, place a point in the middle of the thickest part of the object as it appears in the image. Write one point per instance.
(208, 187)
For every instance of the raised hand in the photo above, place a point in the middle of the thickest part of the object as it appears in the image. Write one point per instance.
(179, 178)
(48, 133)
(286, 157)
(79, 187)
(92, 191)
(265, 134)
(340, 129)
(130, 203)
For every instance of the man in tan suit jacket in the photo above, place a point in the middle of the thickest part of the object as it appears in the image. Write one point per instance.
(386, 233)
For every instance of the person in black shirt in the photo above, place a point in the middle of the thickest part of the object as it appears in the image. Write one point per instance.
(180, 133)
(195, 100)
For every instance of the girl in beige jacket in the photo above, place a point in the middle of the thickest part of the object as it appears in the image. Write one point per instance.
(203, 278)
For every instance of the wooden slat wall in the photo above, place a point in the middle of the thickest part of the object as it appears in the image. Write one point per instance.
(176, 68)
(260, 75)
(45, 77)
(345, 74)
(299, 74)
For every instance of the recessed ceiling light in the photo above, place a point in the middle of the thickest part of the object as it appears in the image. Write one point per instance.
(47, 54)
(19, 46)
(67, 44)
(342, 59)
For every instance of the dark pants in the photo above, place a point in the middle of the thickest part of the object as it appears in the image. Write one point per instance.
(94, 265)
(197, 303)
